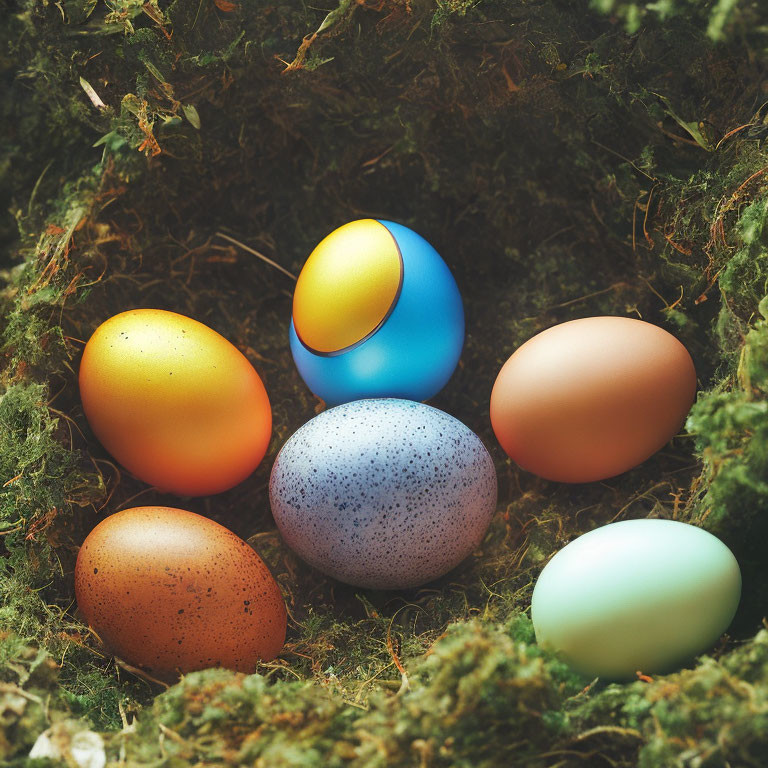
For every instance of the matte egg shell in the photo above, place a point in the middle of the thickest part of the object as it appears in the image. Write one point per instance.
(376, 313)
(639, 595)
(174, 402)
(172, 591)
(592, 398)
(383, 493)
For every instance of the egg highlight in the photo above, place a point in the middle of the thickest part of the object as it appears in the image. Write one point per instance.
(172, 592)
(383, 493)
(376, 313)
(636, 596)
(174, 402)
(589, 399)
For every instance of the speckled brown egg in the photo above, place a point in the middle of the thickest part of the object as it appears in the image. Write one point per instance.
(172, 591)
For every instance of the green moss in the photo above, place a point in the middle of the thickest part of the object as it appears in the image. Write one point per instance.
(722, 19)
(28, 682)
(41, 476)
(711, 715)
(561, 167)
(477, 699)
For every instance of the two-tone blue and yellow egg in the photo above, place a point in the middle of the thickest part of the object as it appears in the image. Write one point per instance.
(376, 313)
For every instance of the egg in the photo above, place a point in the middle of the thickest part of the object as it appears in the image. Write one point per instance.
(172, 591)
(376, 313)
(589, 399)
(174, 402)
(636, 596)
(383, 493)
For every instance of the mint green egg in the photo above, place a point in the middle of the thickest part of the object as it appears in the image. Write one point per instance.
(636, 596)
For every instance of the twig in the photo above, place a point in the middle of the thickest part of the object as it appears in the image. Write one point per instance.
(256, 253)
(733, 133)
(143, 674)
(624, 158)
(404, 684)
(592, 295)
(136, 496)
(36, 187)
(614, 729)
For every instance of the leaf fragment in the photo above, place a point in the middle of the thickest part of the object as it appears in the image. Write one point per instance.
(92, 95)
(190, 112)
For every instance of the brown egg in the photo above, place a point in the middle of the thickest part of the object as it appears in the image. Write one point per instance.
(172, 591)
(591, 398)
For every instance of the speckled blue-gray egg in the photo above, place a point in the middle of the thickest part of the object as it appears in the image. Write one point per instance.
(384, 493)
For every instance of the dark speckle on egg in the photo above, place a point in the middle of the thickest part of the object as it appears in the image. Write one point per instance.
(171, 559)
(383, 493)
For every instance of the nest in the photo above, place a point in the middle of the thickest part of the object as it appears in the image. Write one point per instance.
(565, 164)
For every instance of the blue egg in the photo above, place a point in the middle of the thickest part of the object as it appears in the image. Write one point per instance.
(376, 313)
(383, 493)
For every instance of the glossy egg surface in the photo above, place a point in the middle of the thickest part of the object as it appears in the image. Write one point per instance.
(589, 399)
(376, 313)
(636, 596)
(172, 591)
(174, 402)
(383, 493)
(347, 286)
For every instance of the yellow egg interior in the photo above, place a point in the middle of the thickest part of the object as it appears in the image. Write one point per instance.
(347, 287)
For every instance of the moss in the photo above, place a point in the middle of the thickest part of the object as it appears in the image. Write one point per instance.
(42, 481)
(479, 697)
(28, 678)
(561, 167)
(711, 715)
(42, 477)
(722, 19)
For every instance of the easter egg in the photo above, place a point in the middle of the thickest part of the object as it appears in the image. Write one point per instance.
(383, 493)
(592, 398)
(638, 595)
(376, 313)
(172, 591)
(174, 402)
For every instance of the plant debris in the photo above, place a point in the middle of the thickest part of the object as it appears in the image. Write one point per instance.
(567, 159)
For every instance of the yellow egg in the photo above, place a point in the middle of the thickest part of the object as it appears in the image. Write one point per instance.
(348, 287)
(174, 402)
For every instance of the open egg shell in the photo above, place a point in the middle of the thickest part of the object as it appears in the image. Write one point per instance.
(172, 591)
(376, 313)
(383, 493)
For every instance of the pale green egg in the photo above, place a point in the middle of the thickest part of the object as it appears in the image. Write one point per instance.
(636, 596)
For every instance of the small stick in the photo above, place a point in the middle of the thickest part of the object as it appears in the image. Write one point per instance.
(592, 295)
(404, 684)
(143, 674)
(613, 729)
(256, 253)
(136, 495)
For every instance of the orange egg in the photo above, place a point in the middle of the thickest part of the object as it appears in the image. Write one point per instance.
(172, 591)
(591, 398)
(174, 402)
